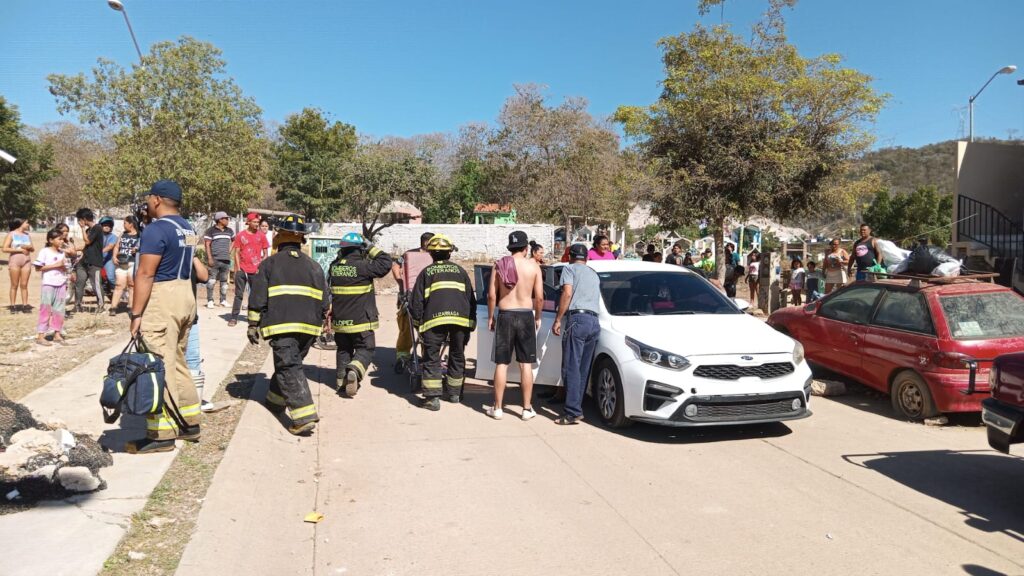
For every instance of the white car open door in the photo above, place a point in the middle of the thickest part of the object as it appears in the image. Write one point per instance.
(548, 370)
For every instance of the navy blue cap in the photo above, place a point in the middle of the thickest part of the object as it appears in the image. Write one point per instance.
(166, 189)
(577, 252)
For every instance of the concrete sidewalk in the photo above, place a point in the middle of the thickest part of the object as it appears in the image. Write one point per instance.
(81, 532)
(407, 491)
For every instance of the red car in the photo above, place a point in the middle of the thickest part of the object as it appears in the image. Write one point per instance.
(929, 345)
(1003, 413)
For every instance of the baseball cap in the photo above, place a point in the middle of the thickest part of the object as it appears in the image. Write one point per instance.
(220, 215)
(577, 252)
(166, 189)
(252, 216)
(518, 240)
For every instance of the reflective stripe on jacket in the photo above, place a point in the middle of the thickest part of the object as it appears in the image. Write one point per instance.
(443, 296)
(353, 302)
(288, 294)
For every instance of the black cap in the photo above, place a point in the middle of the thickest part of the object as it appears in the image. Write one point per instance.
(166, 189)
(518, 240)
(577, 252)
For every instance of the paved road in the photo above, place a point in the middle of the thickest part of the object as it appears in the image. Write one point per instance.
(405, 491)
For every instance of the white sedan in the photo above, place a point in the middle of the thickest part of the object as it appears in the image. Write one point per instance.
(673, 350)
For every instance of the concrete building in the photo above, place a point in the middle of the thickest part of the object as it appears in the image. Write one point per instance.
(988, 211)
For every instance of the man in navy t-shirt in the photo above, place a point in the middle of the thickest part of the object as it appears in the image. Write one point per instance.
(162, 313)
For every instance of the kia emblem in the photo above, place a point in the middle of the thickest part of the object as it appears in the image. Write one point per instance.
(746, 357)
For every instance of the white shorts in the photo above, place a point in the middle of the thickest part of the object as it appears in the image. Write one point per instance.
(128, 272)
(835, 276)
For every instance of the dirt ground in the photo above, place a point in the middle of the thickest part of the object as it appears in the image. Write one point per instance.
(24, 365)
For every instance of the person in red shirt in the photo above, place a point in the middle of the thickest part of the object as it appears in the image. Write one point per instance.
(248, 249)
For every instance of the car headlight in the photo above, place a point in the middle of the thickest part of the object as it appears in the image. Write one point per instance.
(798, 353)
(656, 357)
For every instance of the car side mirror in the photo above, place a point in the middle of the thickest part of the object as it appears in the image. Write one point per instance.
(811, 308)
(741, 303)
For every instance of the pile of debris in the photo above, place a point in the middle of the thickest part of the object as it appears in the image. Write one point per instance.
(45, 460)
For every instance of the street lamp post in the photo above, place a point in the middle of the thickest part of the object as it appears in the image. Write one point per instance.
(118, 6)
(970, 103)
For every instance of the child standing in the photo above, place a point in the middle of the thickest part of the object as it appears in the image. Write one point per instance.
(50, 262)
(812, 282)
(796, 281)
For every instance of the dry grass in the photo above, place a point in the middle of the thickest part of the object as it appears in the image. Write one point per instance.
(164, 527)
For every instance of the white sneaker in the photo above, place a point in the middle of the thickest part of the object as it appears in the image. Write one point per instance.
(495, 413)
(528, 413)
(209, 305)
(223, 303)
(208, 406)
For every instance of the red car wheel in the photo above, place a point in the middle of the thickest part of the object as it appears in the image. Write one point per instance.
(911, 397)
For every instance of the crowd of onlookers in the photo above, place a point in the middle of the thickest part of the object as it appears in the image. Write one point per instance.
(102, 262)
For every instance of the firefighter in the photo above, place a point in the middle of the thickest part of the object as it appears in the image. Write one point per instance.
(354, 307)
(288, 304)
(443, 307)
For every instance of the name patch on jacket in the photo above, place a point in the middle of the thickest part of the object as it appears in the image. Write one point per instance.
(344, 271)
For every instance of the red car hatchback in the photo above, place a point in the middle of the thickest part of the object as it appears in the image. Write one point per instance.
(929, 345)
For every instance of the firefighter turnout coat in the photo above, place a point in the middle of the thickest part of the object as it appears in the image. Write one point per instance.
(443, 296)
(288, 294)
(353, 303)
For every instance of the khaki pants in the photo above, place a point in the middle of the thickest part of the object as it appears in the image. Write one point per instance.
(165, 327)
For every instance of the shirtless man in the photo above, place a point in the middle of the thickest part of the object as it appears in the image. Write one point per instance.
(517, 292)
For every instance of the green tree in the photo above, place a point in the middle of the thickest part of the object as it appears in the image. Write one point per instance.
(458, 197)
(379, 174)
(177, 115)
(309, 163)
(748, 127)
(903, 217)
(20, 183)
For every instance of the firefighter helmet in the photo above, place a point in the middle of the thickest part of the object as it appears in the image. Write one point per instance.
(291, 223)
(440, 243)
(352, 240)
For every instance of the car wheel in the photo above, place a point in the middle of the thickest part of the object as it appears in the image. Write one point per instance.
(911, 397)
(607, 392)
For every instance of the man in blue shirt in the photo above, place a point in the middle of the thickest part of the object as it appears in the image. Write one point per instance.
(579, 306)
(162, 313)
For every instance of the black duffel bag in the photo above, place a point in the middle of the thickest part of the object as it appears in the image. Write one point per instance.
(134, 384)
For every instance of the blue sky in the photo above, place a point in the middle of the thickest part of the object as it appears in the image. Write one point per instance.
(407, 67)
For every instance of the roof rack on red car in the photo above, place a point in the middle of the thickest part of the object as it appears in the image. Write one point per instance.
(917, 279)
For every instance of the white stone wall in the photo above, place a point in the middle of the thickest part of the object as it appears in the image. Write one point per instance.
(474, 241)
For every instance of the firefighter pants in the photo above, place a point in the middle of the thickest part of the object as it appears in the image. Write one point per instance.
(288, 385)
(165, 327)
(403, 346)
(355, 351)
(433, 340)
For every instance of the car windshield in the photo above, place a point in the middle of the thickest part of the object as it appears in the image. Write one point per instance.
(645, 293)
(980, 316)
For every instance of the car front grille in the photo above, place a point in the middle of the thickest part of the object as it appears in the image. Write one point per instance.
(733, 411)
(740, 408)
(734, 372)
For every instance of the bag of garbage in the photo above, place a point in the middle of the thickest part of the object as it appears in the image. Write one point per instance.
(940, 255)
(948, 269)
(921, 260)
(891, 253)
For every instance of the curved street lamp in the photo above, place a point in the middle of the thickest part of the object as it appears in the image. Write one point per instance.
(970, 103)
(118, 6)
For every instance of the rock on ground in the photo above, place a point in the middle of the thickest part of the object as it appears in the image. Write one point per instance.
(828, 388)
(77, 479)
